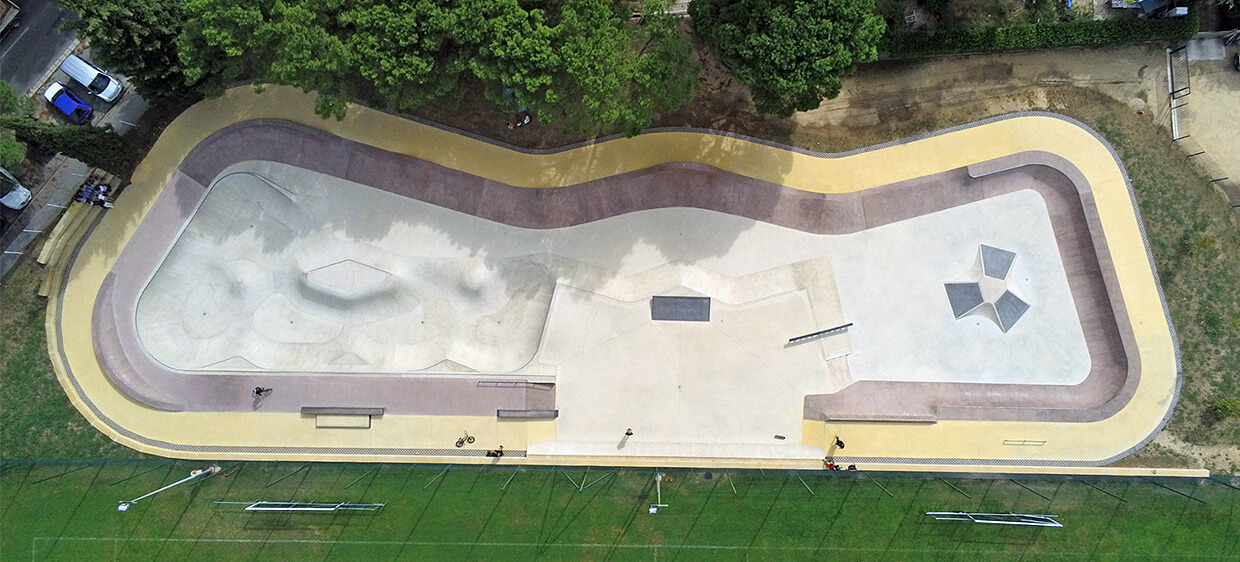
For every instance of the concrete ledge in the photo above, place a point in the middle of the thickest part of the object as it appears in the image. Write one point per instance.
(342, 421)
(339, 411)
(881, 418)
(535, 414)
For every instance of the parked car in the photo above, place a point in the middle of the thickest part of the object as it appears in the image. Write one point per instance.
(74, 109)
(96, 81)
(10, 16)
(12, 194)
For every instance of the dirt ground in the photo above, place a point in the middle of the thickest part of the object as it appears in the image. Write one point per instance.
(882, 96)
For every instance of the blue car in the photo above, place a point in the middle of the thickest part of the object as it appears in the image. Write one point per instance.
(64, 100)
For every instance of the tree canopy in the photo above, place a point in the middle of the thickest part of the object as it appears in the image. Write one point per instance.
(136, 38)
(791, 53)
(577, 62)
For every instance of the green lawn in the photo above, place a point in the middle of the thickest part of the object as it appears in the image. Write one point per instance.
(68, 512)
(36, 418)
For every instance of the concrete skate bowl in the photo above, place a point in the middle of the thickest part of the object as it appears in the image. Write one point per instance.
(366, 278)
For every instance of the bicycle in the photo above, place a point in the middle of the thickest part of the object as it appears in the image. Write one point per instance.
(466, 439)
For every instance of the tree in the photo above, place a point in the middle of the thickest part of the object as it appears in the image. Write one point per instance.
(342, 49)
(224, 42)
(13, 104)
(663, 75)
(1232, 7)
(791, 53)
(592, 69)
(136, 38)
(577, 62)
(12, 151)
(97, 147)
(514, 53)
(407, 51)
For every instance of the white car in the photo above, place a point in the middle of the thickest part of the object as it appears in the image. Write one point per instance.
(15, 196)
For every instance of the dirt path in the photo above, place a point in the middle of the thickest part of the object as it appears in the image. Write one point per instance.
(1212, 113)
(893, 92)
(879, 93)
(1220, 457)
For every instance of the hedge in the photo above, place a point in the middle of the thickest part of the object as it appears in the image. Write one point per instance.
(1016, 37)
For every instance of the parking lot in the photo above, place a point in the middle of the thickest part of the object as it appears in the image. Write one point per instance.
(30, 56)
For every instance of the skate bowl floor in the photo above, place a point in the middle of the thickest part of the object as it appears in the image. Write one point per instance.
(398, 286)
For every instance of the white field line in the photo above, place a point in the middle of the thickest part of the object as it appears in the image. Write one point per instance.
(36, 540)
(655, 547)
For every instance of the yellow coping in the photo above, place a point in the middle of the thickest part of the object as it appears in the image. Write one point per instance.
(1001, 442)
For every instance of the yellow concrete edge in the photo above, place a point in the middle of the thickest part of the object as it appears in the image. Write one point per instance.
(1068, 442)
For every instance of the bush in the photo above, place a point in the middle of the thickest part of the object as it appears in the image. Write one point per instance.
(12, 151)
(899, 43)
(1227, 407)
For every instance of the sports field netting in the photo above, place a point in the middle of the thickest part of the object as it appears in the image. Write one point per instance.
(68, 512)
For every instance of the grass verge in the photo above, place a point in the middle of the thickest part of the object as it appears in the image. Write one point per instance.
(576, 513)
(36, 419)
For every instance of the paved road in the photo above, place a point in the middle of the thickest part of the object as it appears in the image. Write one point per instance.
(27, 51)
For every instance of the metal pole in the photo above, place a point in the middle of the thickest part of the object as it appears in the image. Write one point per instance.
(210, 470)
(1217, 481)
(514, 475)
(882, 488)
(1030, 489)
(278, 480)
(597, 480)
(570, 478)
(359, 478)
(1160, 485)
(1085, 482)
(445, 471)
(955, 488)
(811, 492)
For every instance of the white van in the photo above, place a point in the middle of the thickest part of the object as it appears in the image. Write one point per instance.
(96, 81)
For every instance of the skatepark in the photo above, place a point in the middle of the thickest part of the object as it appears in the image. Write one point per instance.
(986, 292)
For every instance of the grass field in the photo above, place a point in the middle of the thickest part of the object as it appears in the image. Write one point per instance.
(68, 512)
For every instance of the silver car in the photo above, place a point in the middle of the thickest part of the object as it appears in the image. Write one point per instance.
(14, 196)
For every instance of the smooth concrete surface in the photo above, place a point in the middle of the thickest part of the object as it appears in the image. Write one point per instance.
(267, 277)
(904, 329)
(965, 445)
